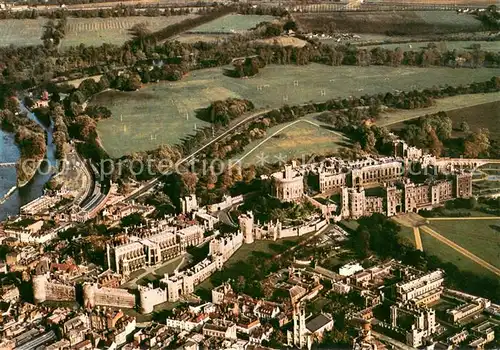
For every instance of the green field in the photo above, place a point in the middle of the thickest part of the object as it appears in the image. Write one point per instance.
(88, 31)
(232, 24)
(156, 114)
(298, 139)
(263, 246)
(486, 115)
(441, 45)
(410, 23)
(447, 254)
(480, 237)
(479, 110)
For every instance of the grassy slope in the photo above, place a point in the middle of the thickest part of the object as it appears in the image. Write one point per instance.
(400, 22)
(296, 140)
(442, 45)
(89, 31)
(478, 110)
(160, 109)
(434, 247)
(232, 24)
(481, 238)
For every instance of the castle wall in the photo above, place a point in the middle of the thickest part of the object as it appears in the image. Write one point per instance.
(113, 297)
(44, 290)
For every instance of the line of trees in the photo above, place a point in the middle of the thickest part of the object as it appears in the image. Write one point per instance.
(29, 136)
(434, 133)
(223, 111)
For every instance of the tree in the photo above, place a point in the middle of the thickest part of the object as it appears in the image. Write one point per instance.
(290, 25)
(84, 128)
(249, 173)
(53, 33)
(369, 140)
(464, 127)
(435, 145)
(140, 33)
(477, 143)
(134, 219)
(190, 180)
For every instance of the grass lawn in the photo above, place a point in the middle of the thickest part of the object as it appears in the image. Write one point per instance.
(232, 24)
(350, 224)
(293, 140)
(407, 234)
(263, 246)
(395, 22)
(486, 115)
(443, 46)
(88, 31)
(477, 109)
(156, 114)
(480, 237)
(447, 254)
(170, 268)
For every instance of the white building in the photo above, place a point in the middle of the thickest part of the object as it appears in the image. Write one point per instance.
(421, 290)
(350, 269)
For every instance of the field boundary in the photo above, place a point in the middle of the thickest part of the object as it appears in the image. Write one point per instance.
(461, 250)
(436, 108)
(465, 218)
(280, 130)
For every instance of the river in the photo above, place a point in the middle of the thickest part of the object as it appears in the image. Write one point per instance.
(9, 152)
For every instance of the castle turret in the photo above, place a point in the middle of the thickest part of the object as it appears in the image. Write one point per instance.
(39, 288)
(149, 297)
(88, 295)
(246, 227)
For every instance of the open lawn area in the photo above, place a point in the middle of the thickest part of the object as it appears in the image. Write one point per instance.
(443, 46)
(477, 109)
(393, 22)
(298, 139)
(485, 115)
(88, 31)
(432, 246)
(480, 237)
(262, 246)
(231, 24)
(157, 114)
(407, 234)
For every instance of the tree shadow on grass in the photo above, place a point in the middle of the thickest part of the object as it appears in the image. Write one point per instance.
(495, 227)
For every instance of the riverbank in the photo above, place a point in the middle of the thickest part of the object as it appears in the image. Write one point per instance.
(32, 188)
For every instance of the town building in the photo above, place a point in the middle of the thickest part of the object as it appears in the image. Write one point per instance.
(421, 290)
(424, 322)
(152, 247)
(377, 185)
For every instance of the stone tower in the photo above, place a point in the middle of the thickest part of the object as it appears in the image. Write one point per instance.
(88, 295)
(39, 288)
(246, 227)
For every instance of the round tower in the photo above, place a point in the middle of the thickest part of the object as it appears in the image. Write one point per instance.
(146, 305)
(39, 288)
(88, 295)
(246, 227)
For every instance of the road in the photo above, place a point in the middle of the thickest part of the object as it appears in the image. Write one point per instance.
(153, 182)
(418, 239)
(395, 343)
(280, 130)
(461, 250)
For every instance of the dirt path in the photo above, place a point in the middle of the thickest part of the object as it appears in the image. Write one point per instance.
(461, 250)
(280, 130)
(418, 239)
